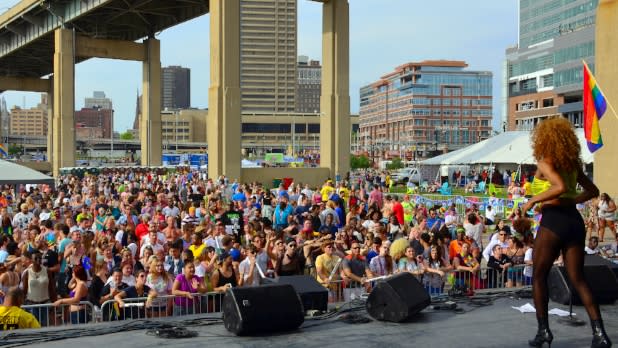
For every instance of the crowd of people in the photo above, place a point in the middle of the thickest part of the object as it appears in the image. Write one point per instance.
(108, 238)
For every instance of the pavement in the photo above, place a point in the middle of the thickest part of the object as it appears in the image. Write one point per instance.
(493, 325)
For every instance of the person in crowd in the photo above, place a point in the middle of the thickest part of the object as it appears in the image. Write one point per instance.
(559, 171)
(326, 264)
(474, 229)
(516, 252)
(12, 317)
(382, 264)
(498, 266)
(355, 273)
(137, 291)
(186, 286)
(412, 263)
(225, 276)
(593, 246)
(607, 215)
(249, 275)
(39, 287)
(466, 267)
(290, 261)
(79, 293)
(161, 283)
(435, 272)
(501, 238)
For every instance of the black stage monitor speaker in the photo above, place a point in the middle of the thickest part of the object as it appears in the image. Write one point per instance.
(591, 260)
(397, 299)
(312, 294)
(262, 309)
(601, 280)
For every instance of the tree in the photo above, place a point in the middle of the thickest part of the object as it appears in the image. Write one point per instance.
(396, 163)
(15, 150)
(360, 161)
(126, 136)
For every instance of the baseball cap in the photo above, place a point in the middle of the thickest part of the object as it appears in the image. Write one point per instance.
(235, 253)
(44, 216)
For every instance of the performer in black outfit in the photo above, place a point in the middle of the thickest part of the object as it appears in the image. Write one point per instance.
(562, 230)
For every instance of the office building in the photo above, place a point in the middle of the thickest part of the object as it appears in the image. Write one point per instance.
(98, 101)
(543, 75)
(308, 85)
(31, 122)
(175, 87)
(100, 119)
(434, 105)
(183, 126)
(5, 125)
(267, 55)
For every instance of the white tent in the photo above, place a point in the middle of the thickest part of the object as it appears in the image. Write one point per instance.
(508, 147)
(14, 174)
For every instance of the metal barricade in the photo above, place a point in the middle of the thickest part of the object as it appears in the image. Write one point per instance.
(161, 306)
(49, 315)
(458, 283)
(488, 278)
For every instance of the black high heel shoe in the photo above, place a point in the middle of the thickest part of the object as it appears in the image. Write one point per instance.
(599, 336)
(543, 334)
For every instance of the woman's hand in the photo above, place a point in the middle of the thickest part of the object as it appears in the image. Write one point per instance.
(57, 303)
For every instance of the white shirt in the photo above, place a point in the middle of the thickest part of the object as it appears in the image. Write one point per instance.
(591, 251)
(244, 268)
(487, 251)
(528, 257)
(490, 214)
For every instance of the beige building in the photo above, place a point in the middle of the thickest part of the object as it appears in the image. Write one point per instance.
(31, 121)
(267, 55)
(183, 126)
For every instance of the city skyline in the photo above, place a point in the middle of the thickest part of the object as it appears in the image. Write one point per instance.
(478, 35)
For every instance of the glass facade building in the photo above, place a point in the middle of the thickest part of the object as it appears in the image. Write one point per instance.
(426, 106)
(544, 71)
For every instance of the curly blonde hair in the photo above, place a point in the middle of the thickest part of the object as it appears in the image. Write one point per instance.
(555, 138)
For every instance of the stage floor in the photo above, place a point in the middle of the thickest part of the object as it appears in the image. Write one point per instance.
(495, 325)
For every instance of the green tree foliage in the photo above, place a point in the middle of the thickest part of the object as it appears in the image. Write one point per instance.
(395, 164)
(15, 150)
(126, 136)
(357, 162)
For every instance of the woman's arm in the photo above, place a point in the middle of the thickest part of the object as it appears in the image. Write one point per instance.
(119, 296)
(590, 189)
(557, 187)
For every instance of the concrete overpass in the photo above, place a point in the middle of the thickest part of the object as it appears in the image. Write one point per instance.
(42, 40)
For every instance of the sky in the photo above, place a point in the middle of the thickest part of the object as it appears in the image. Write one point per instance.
(383, 34)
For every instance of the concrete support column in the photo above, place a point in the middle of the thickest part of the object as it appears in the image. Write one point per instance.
(223, 133)
(606, 73)
(335, 98)
(50, 122)
(150, 121)
(63, 125)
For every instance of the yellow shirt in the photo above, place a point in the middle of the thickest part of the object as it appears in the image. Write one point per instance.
(326, 191)
(327, 263)
(12, 318)
(197, 250)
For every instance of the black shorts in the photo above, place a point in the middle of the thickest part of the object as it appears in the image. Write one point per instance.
(566, 222)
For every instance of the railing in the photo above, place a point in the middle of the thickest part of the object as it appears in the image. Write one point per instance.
(457, 283)
(452, 283)
(161, 306)
(49, 315)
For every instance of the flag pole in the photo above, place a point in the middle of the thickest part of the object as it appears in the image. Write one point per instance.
(599, 87)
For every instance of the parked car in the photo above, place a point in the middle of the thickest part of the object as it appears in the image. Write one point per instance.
(405, 175)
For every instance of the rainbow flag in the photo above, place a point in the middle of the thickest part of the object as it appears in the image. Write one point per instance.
(3, 151)
(594, 108)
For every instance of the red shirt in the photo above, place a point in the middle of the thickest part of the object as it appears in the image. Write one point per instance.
(141, 230)
(398, 212)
